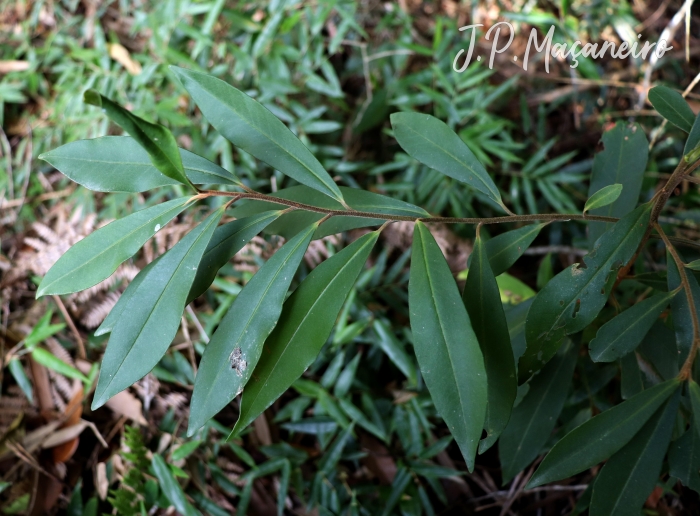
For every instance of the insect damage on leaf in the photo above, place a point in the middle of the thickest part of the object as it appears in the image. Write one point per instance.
(238, 363)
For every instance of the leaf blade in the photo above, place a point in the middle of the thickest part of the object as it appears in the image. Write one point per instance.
(503, 250)
(672, 106)
(603, 197)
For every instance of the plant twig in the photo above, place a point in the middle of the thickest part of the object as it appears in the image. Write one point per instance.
(688, 364)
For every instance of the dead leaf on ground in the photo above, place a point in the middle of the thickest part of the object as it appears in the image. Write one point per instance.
(127, 405)
(122, 56)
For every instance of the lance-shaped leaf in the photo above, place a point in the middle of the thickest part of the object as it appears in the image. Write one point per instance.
(291, 223)
(600, 437)
(306, 322)
(170, 488)
(124, 300)
(627, 479)
(249, 125)
(603, 197)
(625, 332)
(120, 164)
(533, 420)
(157, 140)
(446, 347)
(694, 265)
(623, 161)
(148, 324)
(694, 391)
(504, 249)
(483, 302)
(693, 140)
(227, 241)
(233, 351)
(684, 459)
(433, 143)
(682, 319)
(573, 298)
(672, 106)
(98, 255)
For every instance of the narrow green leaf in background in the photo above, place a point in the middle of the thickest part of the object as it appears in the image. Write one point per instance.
(504, 249)
(627, 479)
(533, 420)
(120, 164)
(97, 256)
(625, 332)
(233, 351)
(573, 298)
(306, 322)
(447, 349)
(226, 241)
(694, 265)
(680, 310)
(157, 140)
(433, 143)
(51, 361)
(482, 300)
(603, 197)
(672, 106)
(600, 437)
(394, 350)
(249, 125)
(171, 489)
(149, 323)
(693, 140)
(623, 161)
(631, 376)
(684, 459)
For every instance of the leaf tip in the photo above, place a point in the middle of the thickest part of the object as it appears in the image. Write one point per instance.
(93, 98)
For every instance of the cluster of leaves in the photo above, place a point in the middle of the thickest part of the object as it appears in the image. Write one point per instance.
(265, 342)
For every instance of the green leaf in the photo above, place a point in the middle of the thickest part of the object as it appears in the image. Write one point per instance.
(249, 125)
(98, 255)
(631, 376)
(483, 302)
(120, 164)
(148, 324)
(684, 459)
(682, 320)
(394, 350)
(504, 249)
(694, 265)
(574, 297)
(124, 300)
(233, 352)
(627, 479)
(625, 332)
(623, 161)
(18, 373)
(157, 140)
(447, 349)
(51, 361)
(433, 143)
(603, 197)
(693, 140)
(694, 391)
(533, 420)
(170, 487)
(306, 322)
(291, 223)
(600, 437)
(226, 241)
(672, 106)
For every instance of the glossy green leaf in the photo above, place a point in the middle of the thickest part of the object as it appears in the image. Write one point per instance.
(684, 459)
(306, 322)
(694, 265)
(446, 347)
(124, 300)
(628, 478)
(157, 140)
(233, 351)
(682, 320)
(171, 489)
(226, 241)
(600, 437)
(120, 164)
(249, 125)
(483, 302)
(623, 161)
(533, 420)
(693, 140)
(394, 350)
(433, 143)
(672, 106)
(694, 391)
(148, 324)
(504, 249)
(631, 376)
(98, 255)
(361, 200)
(603, 197)
(624, 332)
(574, 297)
